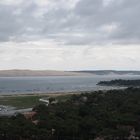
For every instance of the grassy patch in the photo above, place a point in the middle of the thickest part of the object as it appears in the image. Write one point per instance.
(63, 98)
(28, 101)
(20, 102)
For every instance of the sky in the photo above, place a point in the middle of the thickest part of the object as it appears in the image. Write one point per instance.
(70, 34)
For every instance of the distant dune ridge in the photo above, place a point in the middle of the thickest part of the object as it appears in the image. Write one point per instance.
(16, 73)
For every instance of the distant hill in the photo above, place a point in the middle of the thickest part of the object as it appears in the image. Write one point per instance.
(111, 72)
(16, 73)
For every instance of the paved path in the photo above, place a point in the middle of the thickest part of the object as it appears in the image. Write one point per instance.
(11, 111)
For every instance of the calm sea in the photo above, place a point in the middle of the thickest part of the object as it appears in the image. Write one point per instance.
(21, 85)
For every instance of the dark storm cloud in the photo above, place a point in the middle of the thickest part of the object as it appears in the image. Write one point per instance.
(88, 22)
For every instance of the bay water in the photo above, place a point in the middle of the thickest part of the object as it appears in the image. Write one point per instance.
(51, 84)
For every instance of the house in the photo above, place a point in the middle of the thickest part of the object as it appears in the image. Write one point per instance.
(99, 138)
(29, 115)
(35, 122)
(44, 101)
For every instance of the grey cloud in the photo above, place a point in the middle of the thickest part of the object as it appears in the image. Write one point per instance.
(17, 22)
(8, 24)
(124, 13)
(90, 18)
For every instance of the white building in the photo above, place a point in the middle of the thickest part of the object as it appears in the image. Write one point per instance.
(44, 101)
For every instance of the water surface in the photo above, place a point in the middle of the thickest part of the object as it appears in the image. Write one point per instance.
(50, 84)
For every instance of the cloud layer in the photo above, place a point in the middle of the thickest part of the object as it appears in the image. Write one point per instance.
(96, 33)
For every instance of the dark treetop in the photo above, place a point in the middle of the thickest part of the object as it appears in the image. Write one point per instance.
(120, 82)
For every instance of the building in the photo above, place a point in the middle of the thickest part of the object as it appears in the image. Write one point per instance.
(44, 101)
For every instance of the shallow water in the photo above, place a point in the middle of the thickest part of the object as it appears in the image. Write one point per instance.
(12, 85)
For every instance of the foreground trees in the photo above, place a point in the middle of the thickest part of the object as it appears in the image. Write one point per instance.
(109, 115)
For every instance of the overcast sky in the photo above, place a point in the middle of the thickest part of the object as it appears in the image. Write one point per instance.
(70, 34)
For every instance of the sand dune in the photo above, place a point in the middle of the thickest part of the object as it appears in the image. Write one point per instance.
(14, 73)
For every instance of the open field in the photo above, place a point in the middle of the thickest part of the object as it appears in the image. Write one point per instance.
(31, 100)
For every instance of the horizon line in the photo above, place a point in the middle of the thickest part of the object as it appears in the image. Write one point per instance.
(82, 70)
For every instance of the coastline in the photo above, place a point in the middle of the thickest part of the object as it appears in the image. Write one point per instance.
(57, 93)
(53, 94)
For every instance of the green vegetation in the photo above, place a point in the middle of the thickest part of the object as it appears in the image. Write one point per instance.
(20, 102)
(112, 115)
(119, 82)
(28, 101)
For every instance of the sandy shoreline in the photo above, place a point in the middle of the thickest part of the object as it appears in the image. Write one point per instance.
(54, 94)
